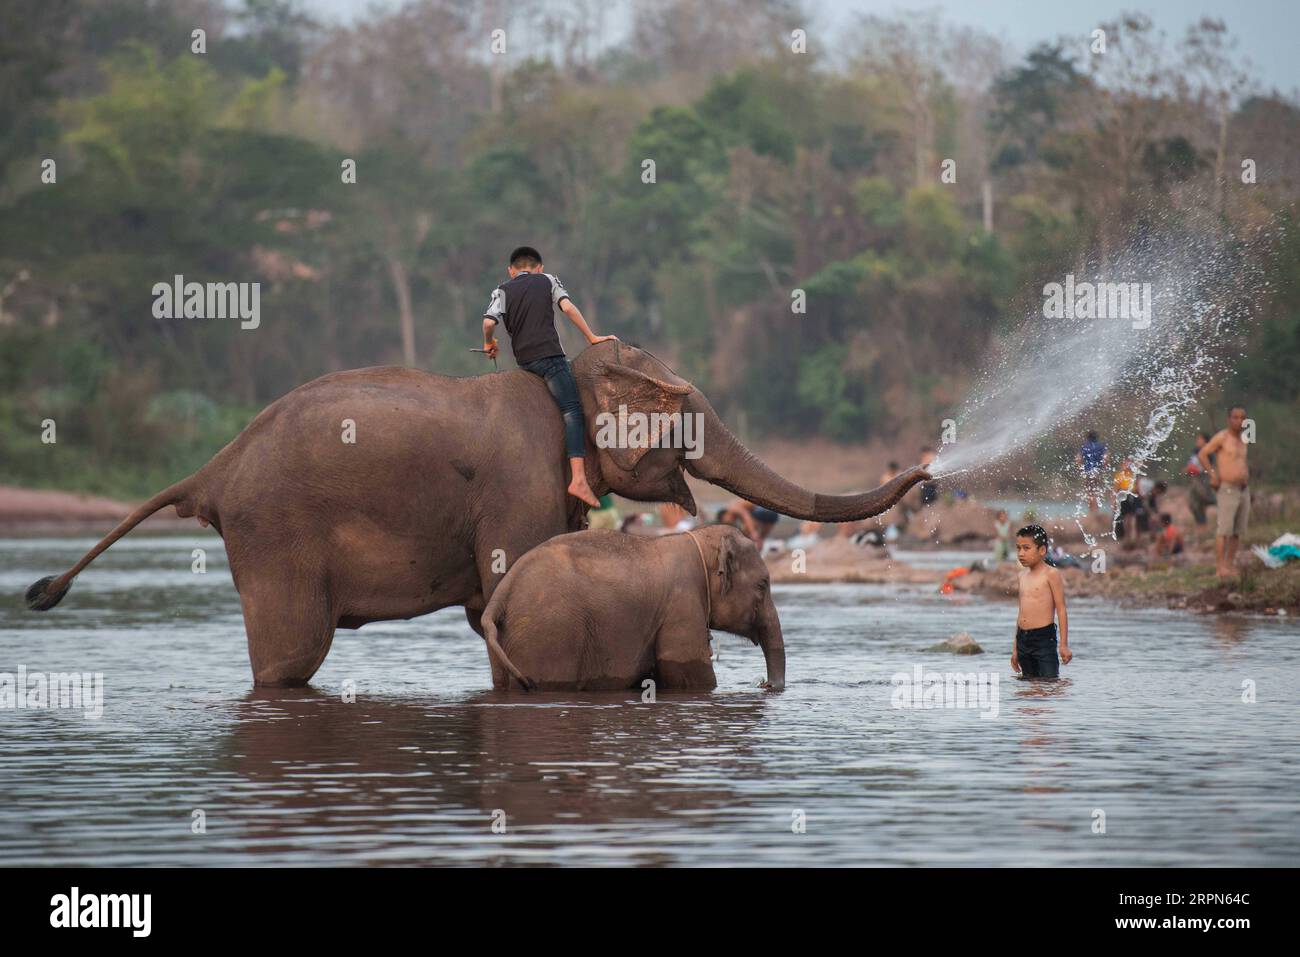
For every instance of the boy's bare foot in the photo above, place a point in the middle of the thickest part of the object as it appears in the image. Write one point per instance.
(578, 486)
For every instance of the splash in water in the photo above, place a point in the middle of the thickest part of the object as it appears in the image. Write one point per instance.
(1131, 378)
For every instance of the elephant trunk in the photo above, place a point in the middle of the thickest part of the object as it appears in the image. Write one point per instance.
(773, 645)
(726, 462)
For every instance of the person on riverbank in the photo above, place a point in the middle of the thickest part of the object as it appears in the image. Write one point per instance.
(929, 490)
(1149, 494)
(1199, 494)
(754, 520)
(1229, 477)
(1042, 606)
(1170, 541)
(1126, 501)
(1091, 458)
(1002, 546)
(903, 509)
(854, 529)
(674, 518)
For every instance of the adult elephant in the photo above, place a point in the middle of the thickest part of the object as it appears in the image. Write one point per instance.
(387, 493)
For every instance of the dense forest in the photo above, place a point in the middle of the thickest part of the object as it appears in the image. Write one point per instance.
(691, 183)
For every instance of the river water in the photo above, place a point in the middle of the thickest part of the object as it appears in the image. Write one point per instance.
(1145, 754)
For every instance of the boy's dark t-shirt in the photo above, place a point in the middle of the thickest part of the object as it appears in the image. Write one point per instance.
(526, 305)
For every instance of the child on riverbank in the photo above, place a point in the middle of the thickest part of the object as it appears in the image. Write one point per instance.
(1042, 604)
(1002, 537)
(1170, 542)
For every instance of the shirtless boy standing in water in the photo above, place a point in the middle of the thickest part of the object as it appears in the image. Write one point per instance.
(1224, 458)
(1042, 599)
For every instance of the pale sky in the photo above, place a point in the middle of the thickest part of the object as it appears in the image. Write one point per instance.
(1268, 31)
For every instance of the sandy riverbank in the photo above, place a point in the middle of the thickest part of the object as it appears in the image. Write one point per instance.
(839, 560)
(1191, 586)
(25, 511)
(1128, 579)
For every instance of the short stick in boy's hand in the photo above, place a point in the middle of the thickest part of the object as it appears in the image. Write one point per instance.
(1042, 604)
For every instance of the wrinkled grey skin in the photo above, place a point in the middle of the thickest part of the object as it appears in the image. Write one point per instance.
(602, 610)
(448, 482)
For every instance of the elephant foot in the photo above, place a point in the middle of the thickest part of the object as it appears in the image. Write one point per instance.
(280, 682)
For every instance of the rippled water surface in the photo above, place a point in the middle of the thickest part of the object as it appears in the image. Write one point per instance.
(1149, 728)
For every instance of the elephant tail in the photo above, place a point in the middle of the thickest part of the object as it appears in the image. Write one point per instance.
(497, 652)
(48, 592)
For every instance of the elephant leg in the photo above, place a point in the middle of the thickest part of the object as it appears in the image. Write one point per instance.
(514, 526)
(683, 658)
(492, 554)
(474, 613)
(290, 630)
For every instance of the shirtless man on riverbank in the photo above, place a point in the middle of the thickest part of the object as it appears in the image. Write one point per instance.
(1229, 477)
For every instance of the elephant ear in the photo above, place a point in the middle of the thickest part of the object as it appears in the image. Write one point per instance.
(620, 386)
(727, 561)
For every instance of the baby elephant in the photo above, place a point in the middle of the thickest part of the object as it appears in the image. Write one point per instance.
(603, 610)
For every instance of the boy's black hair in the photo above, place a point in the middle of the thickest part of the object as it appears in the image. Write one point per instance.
(1092, 436)
(1204, 435)
(894, 466)
(525, 257)
(1036, 533)
(1162, 486)
(1166, 518)
(718, 517)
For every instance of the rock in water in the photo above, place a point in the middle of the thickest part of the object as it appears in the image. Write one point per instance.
(959, 644)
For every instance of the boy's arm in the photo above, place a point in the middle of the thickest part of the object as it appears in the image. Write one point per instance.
(494, 313)
(560, 297)
(1057, 585)
(575, 316)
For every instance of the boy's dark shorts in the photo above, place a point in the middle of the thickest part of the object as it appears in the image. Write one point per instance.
(1036, 652)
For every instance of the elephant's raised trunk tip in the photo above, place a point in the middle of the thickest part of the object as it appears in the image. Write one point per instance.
(726, 462)
(852, 508)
